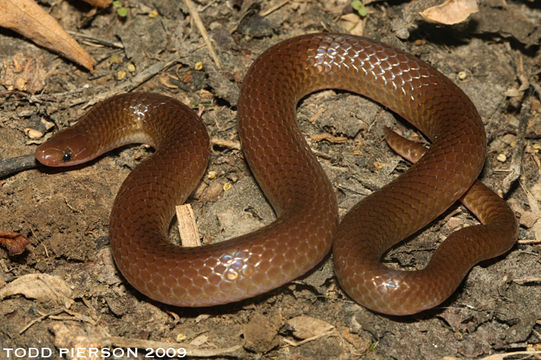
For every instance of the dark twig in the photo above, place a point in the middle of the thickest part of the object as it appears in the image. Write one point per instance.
(96, 40)
(103, 92)
(17, 164)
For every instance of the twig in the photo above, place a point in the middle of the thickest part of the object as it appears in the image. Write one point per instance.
(272, 9)
(38, 320)
(225, 143)
(149, 72)
(530, 136)
(203, 31)
(136, 81)
(187, 227)
(103, 92)
(330, 138)
(528, 280)
(529, 242)
(16, 164)
(505, 355)
(95, 40)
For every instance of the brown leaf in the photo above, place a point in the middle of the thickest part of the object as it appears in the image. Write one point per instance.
(30, 20)
(99, 3)
(450, 12)
(14, 242)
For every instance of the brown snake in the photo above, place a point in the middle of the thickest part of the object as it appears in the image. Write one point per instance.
(295, 184)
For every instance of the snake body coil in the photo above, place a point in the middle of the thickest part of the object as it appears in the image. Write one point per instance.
(295, 184)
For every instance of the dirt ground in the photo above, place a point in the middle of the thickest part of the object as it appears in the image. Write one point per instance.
(65, 292)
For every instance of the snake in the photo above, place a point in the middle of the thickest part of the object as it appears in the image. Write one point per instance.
(307, 225)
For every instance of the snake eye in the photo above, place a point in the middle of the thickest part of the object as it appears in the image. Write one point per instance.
(67, 156)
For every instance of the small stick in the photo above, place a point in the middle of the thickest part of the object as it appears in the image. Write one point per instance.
(189, 235)
(231, 144)
(128, 86)
(274, 8)
(330, 138)
(203, 31)
(95, 40)
(16, 164)
(103, 92)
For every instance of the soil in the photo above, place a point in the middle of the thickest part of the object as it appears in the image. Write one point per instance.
(69, 294)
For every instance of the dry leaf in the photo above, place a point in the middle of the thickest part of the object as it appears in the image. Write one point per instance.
(450, 12)
(99, 3)
(39, 286)
(305, 327)
(14, 242)
(30, 20)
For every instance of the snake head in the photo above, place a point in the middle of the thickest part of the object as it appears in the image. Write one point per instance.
(68, 147)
